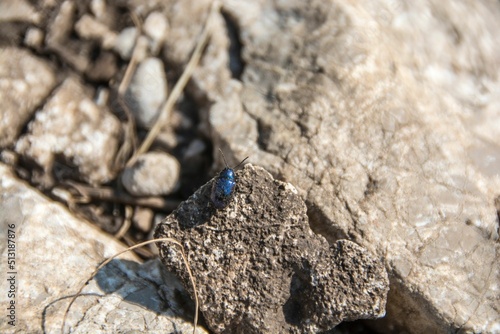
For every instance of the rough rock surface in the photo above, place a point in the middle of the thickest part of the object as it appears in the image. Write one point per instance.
(25, 81)
(72, 127)
(56, 253)
(260, 269)
(385, 116)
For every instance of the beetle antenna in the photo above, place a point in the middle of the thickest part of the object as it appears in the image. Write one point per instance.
(223, 157)
(242, 161)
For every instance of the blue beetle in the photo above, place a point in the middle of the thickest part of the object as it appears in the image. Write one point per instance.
(223, 186)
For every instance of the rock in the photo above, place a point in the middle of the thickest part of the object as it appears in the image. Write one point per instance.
(147, 91)
(124, 42)
(99, 9)
(260, 269)
(383, 114)
(34, 38)
(18, 11)
(143, 219)
(103, 68)
(156, 28)
(59, 41)
(71, 127)
(25, 81)
(154, 173)
(386, 118)
(55, 253)
(9, 157)
(88, 27)
(195, 148)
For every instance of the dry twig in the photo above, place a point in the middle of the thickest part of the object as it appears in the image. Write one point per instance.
(184, 258)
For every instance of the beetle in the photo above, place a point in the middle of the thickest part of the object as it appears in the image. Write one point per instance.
(223, 185)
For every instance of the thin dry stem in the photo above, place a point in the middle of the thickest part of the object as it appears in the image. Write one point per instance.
(127, 222)
(184, 258)
(179, 86)
(130, 139)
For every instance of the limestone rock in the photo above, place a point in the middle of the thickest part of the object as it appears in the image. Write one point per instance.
(25, 81)
(156, 28)
(147, 91)
(55, 253)
(385, 116)
(18, 11)
(73, 127)
(260, 269)
(124, 43)
(154, 173)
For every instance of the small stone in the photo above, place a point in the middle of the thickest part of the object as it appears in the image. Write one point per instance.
(102, 96)
(59, 38)
(167, 139)
(156, 28)
(98, 8)
(34, 38)
(147, 91)
(8, 157)
(62, 194)
(103, 68)
(124, 43)
(62, 24)
(89, 28)
(143, 219)
(195, 148)
(153, 174)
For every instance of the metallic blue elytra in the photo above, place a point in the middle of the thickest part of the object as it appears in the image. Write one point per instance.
(222, 189)
(223, 186)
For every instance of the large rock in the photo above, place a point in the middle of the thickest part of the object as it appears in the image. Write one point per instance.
(385, 116)
(55, 253)
(25, 81)
(73, 129)
(260, 269)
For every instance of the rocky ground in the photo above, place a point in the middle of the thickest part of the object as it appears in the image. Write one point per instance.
(373, 135)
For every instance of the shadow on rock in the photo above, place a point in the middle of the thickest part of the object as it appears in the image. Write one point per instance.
(148, 285)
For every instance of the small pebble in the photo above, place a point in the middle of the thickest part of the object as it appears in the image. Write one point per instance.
(147, 91)
(153, 174)
(195, 148)
(143, 219)
(88, 27)
(124, 43)
(8, 157)
(156, 28)
(98, 8)
(34, 38)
